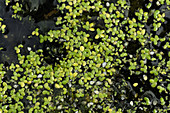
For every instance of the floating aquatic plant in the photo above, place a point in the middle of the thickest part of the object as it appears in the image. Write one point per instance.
(95, 58)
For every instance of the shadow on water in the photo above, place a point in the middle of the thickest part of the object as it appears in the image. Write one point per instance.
(134, 5)
(16, 32)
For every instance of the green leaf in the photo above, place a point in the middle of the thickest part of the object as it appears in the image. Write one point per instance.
(153, 82)
(101, 95)
(46, 86)
(149, 5)
(81, 82)
(64, 90)
(161, 89)
(147, 100)
(29, 98)
(162, 101)
(168, 87)
(156, 14)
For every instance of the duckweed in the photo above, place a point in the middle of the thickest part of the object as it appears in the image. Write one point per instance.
(95, 57)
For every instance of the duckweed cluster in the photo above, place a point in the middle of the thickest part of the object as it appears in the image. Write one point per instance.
(99, 56)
